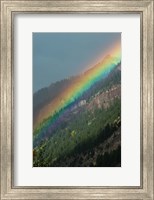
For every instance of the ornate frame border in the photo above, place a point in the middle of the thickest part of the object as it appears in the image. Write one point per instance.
(8, 10)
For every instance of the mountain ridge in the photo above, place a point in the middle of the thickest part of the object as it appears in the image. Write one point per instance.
(45, 96)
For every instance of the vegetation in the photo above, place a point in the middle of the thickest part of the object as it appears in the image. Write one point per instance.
(88, 135)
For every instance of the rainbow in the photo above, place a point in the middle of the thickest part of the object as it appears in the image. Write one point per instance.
(53, 113)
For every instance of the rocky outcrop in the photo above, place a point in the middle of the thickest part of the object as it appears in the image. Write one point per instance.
(104, 99)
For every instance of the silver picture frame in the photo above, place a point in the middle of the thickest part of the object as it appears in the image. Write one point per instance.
(8, 10)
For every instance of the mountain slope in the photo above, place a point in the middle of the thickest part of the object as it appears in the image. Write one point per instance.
(87, 132)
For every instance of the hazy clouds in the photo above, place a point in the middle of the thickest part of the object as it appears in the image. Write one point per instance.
(59, 55)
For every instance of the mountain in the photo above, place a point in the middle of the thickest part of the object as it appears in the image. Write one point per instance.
(45, 96)
(85, 132)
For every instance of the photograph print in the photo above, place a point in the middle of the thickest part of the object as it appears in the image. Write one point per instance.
(76, 99)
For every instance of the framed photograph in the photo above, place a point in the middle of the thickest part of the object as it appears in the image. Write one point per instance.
(69, 112)
(77, 100)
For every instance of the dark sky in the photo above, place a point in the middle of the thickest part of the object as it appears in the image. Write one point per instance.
(57, 56)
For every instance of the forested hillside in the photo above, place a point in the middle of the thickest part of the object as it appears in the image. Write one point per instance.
(88, 133)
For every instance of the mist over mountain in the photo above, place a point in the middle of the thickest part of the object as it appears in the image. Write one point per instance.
(44, 96)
